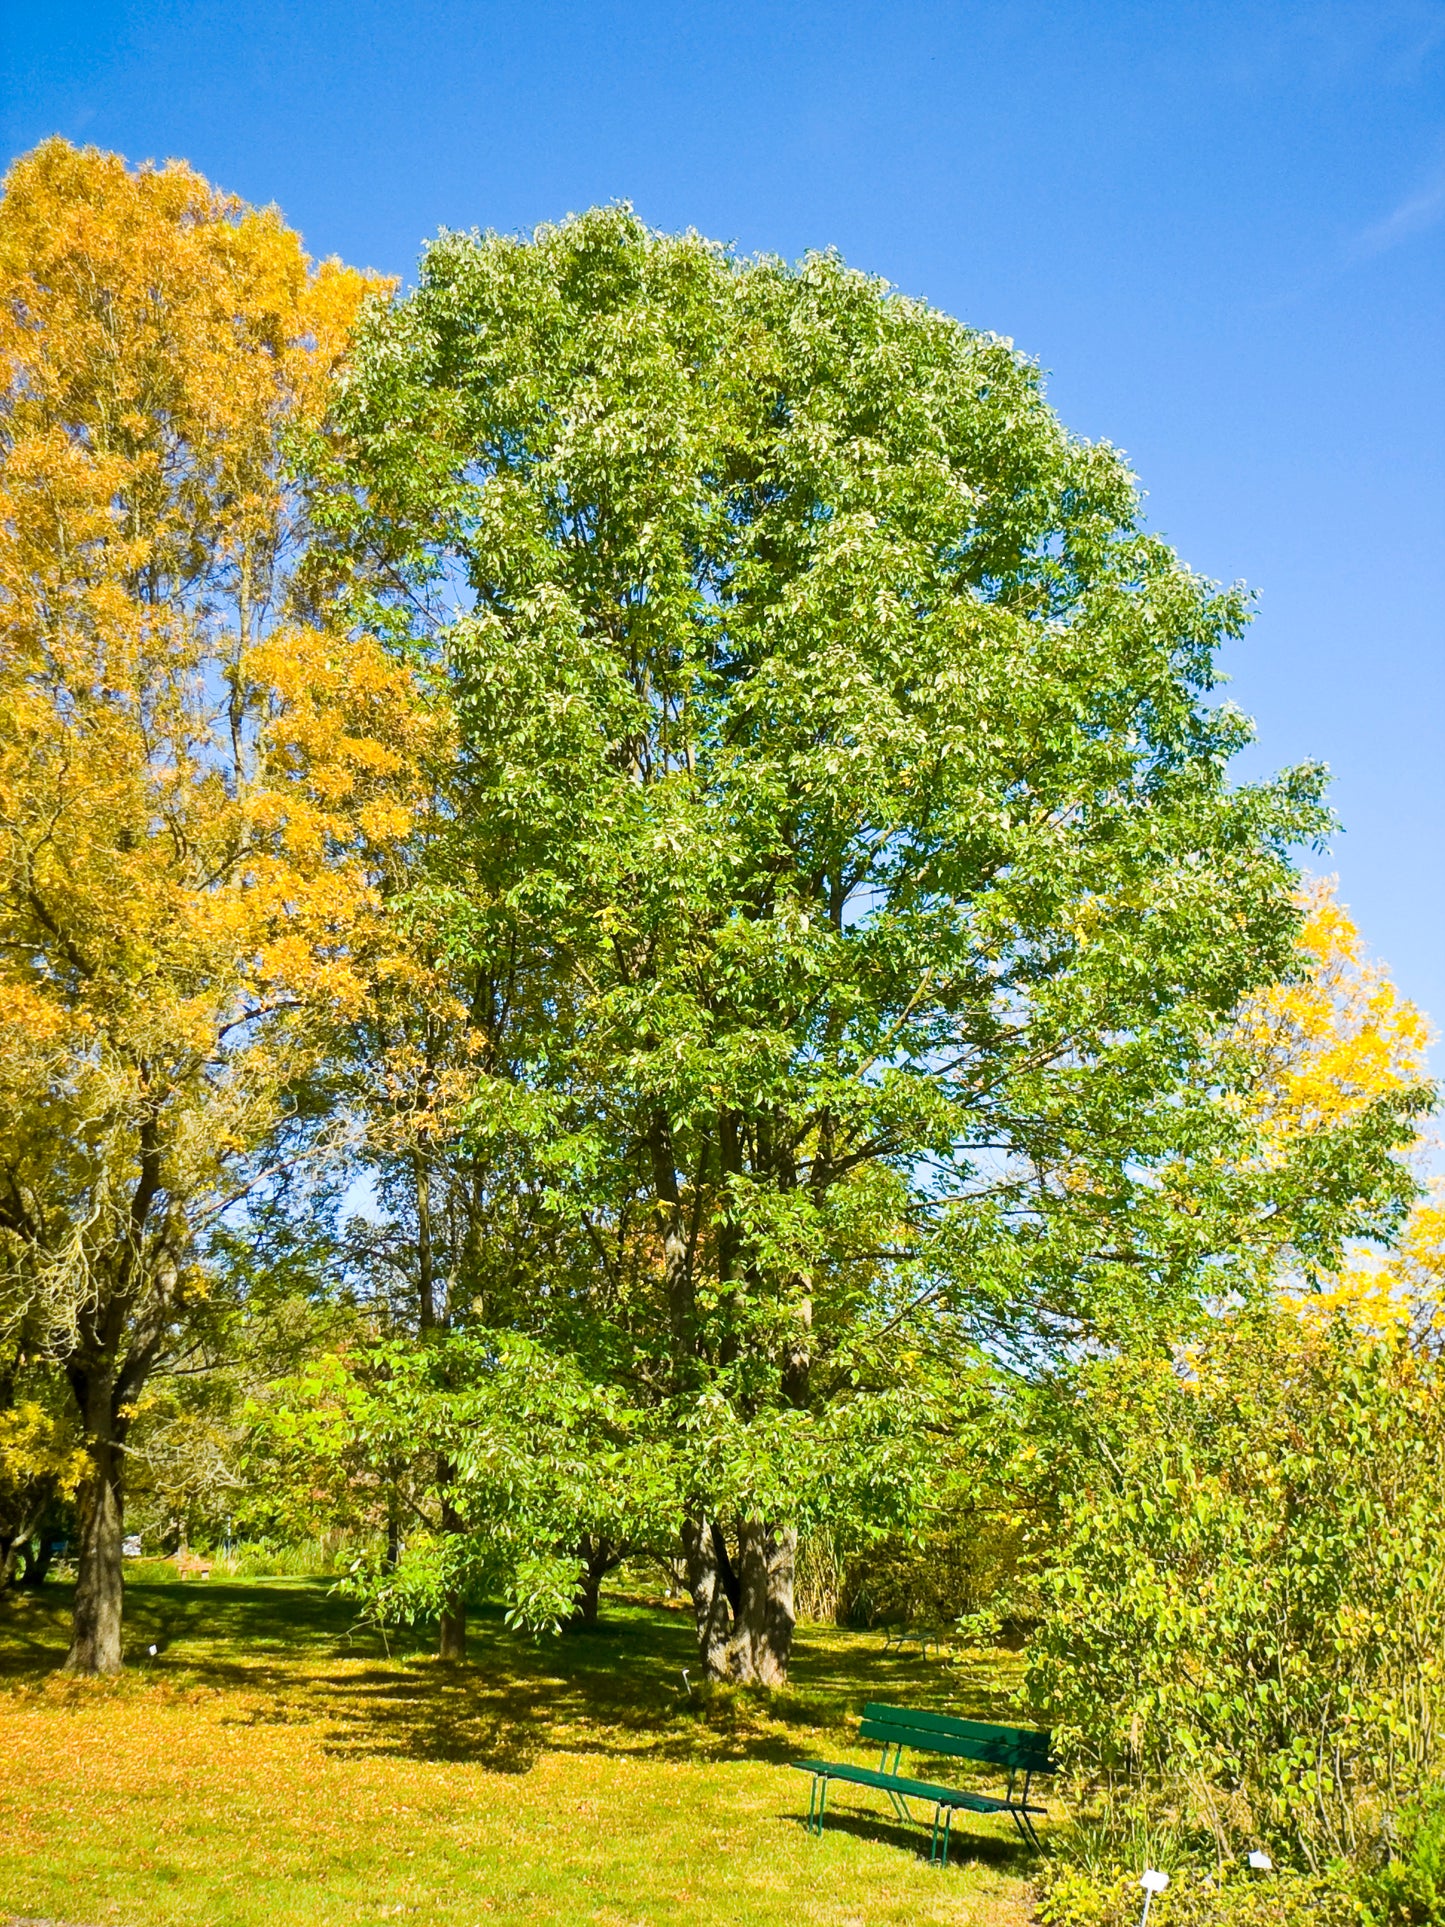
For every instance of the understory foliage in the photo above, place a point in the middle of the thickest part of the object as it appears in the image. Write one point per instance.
(1241, 1578)
(1072, 1897)
(1241, 1628)
(41, 1464)
(540, 1463)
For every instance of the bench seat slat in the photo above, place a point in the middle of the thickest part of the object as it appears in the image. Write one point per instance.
(945, 1796)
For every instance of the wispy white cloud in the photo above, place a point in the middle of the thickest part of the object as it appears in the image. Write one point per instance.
(1416, 213)
(1329, 43)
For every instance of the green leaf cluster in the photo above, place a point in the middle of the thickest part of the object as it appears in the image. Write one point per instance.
(1242, 1613)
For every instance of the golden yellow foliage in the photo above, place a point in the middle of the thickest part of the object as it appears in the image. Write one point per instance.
(1328, 1047)
(1331, 1044)
(35, 1446)
(200, 792)
(1396, 1292)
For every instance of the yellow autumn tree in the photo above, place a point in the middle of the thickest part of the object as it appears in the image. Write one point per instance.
(1398, 1293)
(1413, 1273)
(1330, 1045)
(1335, 1070)
(200, 792)
(39, 1463)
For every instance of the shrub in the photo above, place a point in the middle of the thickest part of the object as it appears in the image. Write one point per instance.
(1409, 1890)
(1242, 1625)
(1072, 1897)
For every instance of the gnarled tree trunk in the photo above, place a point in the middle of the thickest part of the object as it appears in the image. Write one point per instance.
(762, 1642)
(713, 1585)
(744, 1610)
(106, 1383)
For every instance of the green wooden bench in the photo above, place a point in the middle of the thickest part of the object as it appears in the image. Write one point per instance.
(1018, 1749)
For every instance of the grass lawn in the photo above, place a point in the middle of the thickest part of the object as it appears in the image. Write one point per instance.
(271, 1766)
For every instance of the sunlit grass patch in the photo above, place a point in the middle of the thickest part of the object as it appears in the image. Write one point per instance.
(270, 1764)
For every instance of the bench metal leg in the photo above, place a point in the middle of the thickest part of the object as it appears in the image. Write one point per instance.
(1023, 1820)
(1031, 1839)
(938, 1851)
(896, 1799)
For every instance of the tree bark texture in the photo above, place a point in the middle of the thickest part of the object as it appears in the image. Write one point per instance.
(744, 1609)
(452, 1640)
(707, 1583)
(95, 1645)
(762, 1644)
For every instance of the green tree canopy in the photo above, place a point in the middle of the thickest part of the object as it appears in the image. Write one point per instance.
(842, 804)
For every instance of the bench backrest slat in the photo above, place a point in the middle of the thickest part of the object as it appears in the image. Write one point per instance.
(1021, 1748)
(959, 1747)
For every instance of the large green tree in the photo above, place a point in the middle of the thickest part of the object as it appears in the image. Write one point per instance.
(840, 785)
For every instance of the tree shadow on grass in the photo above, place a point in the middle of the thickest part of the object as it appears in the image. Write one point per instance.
(34, 1634)
(291, 1651)
(965, 1846)
(615, 1690)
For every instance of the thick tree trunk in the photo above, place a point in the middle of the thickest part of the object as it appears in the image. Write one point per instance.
(119, 1340)
(744, 1613)
(709, 1581)
(95, 1645)
(762, 1642)
(452, 1641)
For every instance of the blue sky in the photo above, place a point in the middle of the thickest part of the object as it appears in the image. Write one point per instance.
(1219, 227)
